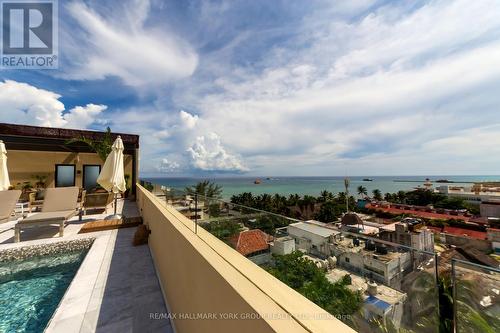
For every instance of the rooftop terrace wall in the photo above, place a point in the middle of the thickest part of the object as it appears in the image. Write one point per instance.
(201, 275)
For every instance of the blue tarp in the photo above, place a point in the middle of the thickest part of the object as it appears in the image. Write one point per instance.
(377, 302)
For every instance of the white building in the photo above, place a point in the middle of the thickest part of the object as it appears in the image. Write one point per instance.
(372, 261)
(283, 245)
(312, 238)
(472, 194)
(379, 302)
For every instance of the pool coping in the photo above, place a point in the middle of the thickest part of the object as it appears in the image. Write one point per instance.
(80, 296)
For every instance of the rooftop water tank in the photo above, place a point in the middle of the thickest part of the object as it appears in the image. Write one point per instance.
(369, 245)
(371, 288)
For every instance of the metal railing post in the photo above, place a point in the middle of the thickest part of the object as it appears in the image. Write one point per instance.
(454, 289)
(196, 213)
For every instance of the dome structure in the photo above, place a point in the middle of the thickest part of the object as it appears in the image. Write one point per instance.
(351, 219)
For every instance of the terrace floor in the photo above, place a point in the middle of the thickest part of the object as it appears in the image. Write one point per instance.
(115, 289)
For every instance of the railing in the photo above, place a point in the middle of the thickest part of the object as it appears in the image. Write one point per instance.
(407, 297)
(476, 295)
(204, 279)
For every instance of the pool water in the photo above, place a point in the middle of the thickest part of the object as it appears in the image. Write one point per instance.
(31, 289)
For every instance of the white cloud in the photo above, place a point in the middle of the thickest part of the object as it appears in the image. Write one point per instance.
(188, 120)
(167, 166)
(83, 116)
(119, 44)
(388, 82)
(25, 104)
(208, 154)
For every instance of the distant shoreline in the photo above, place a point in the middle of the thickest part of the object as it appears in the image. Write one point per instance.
(433, 181)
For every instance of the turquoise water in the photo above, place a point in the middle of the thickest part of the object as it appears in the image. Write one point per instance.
(314, 185)
(30, 290)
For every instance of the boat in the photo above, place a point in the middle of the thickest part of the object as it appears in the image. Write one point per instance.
(367, 179)
(257, 181)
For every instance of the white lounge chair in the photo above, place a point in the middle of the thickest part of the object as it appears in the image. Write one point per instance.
(59, 206)
(8, 200)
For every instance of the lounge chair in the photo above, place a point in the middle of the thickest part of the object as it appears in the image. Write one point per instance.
(59, 205)
(8, 200)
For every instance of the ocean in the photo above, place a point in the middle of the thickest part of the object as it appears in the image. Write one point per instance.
(314, 185)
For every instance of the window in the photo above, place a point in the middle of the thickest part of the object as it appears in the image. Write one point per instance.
(90, 174)
(65, 175)
(346, 259)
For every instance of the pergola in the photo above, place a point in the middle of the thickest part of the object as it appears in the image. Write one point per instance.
(35, 138)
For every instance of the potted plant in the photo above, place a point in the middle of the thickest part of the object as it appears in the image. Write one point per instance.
(127, 186)
(41, 181)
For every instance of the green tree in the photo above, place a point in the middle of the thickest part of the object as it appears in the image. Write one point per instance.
(325, 196)
(223, 229)
(205, 188)
(377, 195)
(102, 147)
(304, 276)
(362, 191)
(329, 212)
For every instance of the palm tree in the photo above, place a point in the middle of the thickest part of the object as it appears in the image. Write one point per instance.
(377, 195)
(326, 196)
(206, 189)
(362, 191)
(102, 148)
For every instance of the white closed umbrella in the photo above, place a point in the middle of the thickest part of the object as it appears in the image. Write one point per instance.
(4, 173)
(112, 176)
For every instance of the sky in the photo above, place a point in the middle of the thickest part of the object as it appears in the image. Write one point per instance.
(279, 88)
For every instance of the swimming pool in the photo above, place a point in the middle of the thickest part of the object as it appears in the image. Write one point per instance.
(31, 288)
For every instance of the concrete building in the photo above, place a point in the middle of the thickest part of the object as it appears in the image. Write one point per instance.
(474, 194)
(409, 232)
(493, 235)
(379, 302)
(490, 208)
(283, 245)
(373, 261)
(312, 238)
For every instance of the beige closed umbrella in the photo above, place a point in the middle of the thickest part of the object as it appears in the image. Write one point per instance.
(112, 176)
(4, 173)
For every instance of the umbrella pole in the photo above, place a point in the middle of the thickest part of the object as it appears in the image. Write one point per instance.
(115, 216)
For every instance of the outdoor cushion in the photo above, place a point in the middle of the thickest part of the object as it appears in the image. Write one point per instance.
(60, 199)
(49, 216)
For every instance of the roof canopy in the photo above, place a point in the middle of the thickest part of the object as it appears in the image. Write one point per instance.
(23, 137)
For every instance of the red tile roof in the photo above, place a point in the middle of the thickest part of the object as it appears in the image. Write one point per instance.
(459, 232)
(421, 214)
(465, 232)
(250, 241)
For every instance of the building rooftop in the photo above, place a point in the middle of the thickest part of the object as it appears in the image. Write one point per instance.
(385, 294)
(314, 229)
(250, 241)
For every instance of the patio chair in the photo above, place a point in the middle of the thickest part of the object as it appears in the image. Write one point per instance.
(97, 201)
(36, 200)
(8, 200)
(59, 206)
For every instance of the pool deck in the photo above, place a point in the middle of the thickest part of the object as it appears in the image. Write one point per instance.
(115, 288)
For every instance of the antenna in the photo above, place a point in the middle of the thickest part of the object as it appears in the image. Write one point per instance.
(346, 183)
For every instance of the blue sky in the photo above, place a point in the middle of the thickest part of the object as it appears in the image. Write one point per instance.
(358, 87)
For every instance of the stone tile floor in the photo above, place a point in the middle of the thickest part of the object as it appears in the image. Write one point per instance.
(115, 289)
